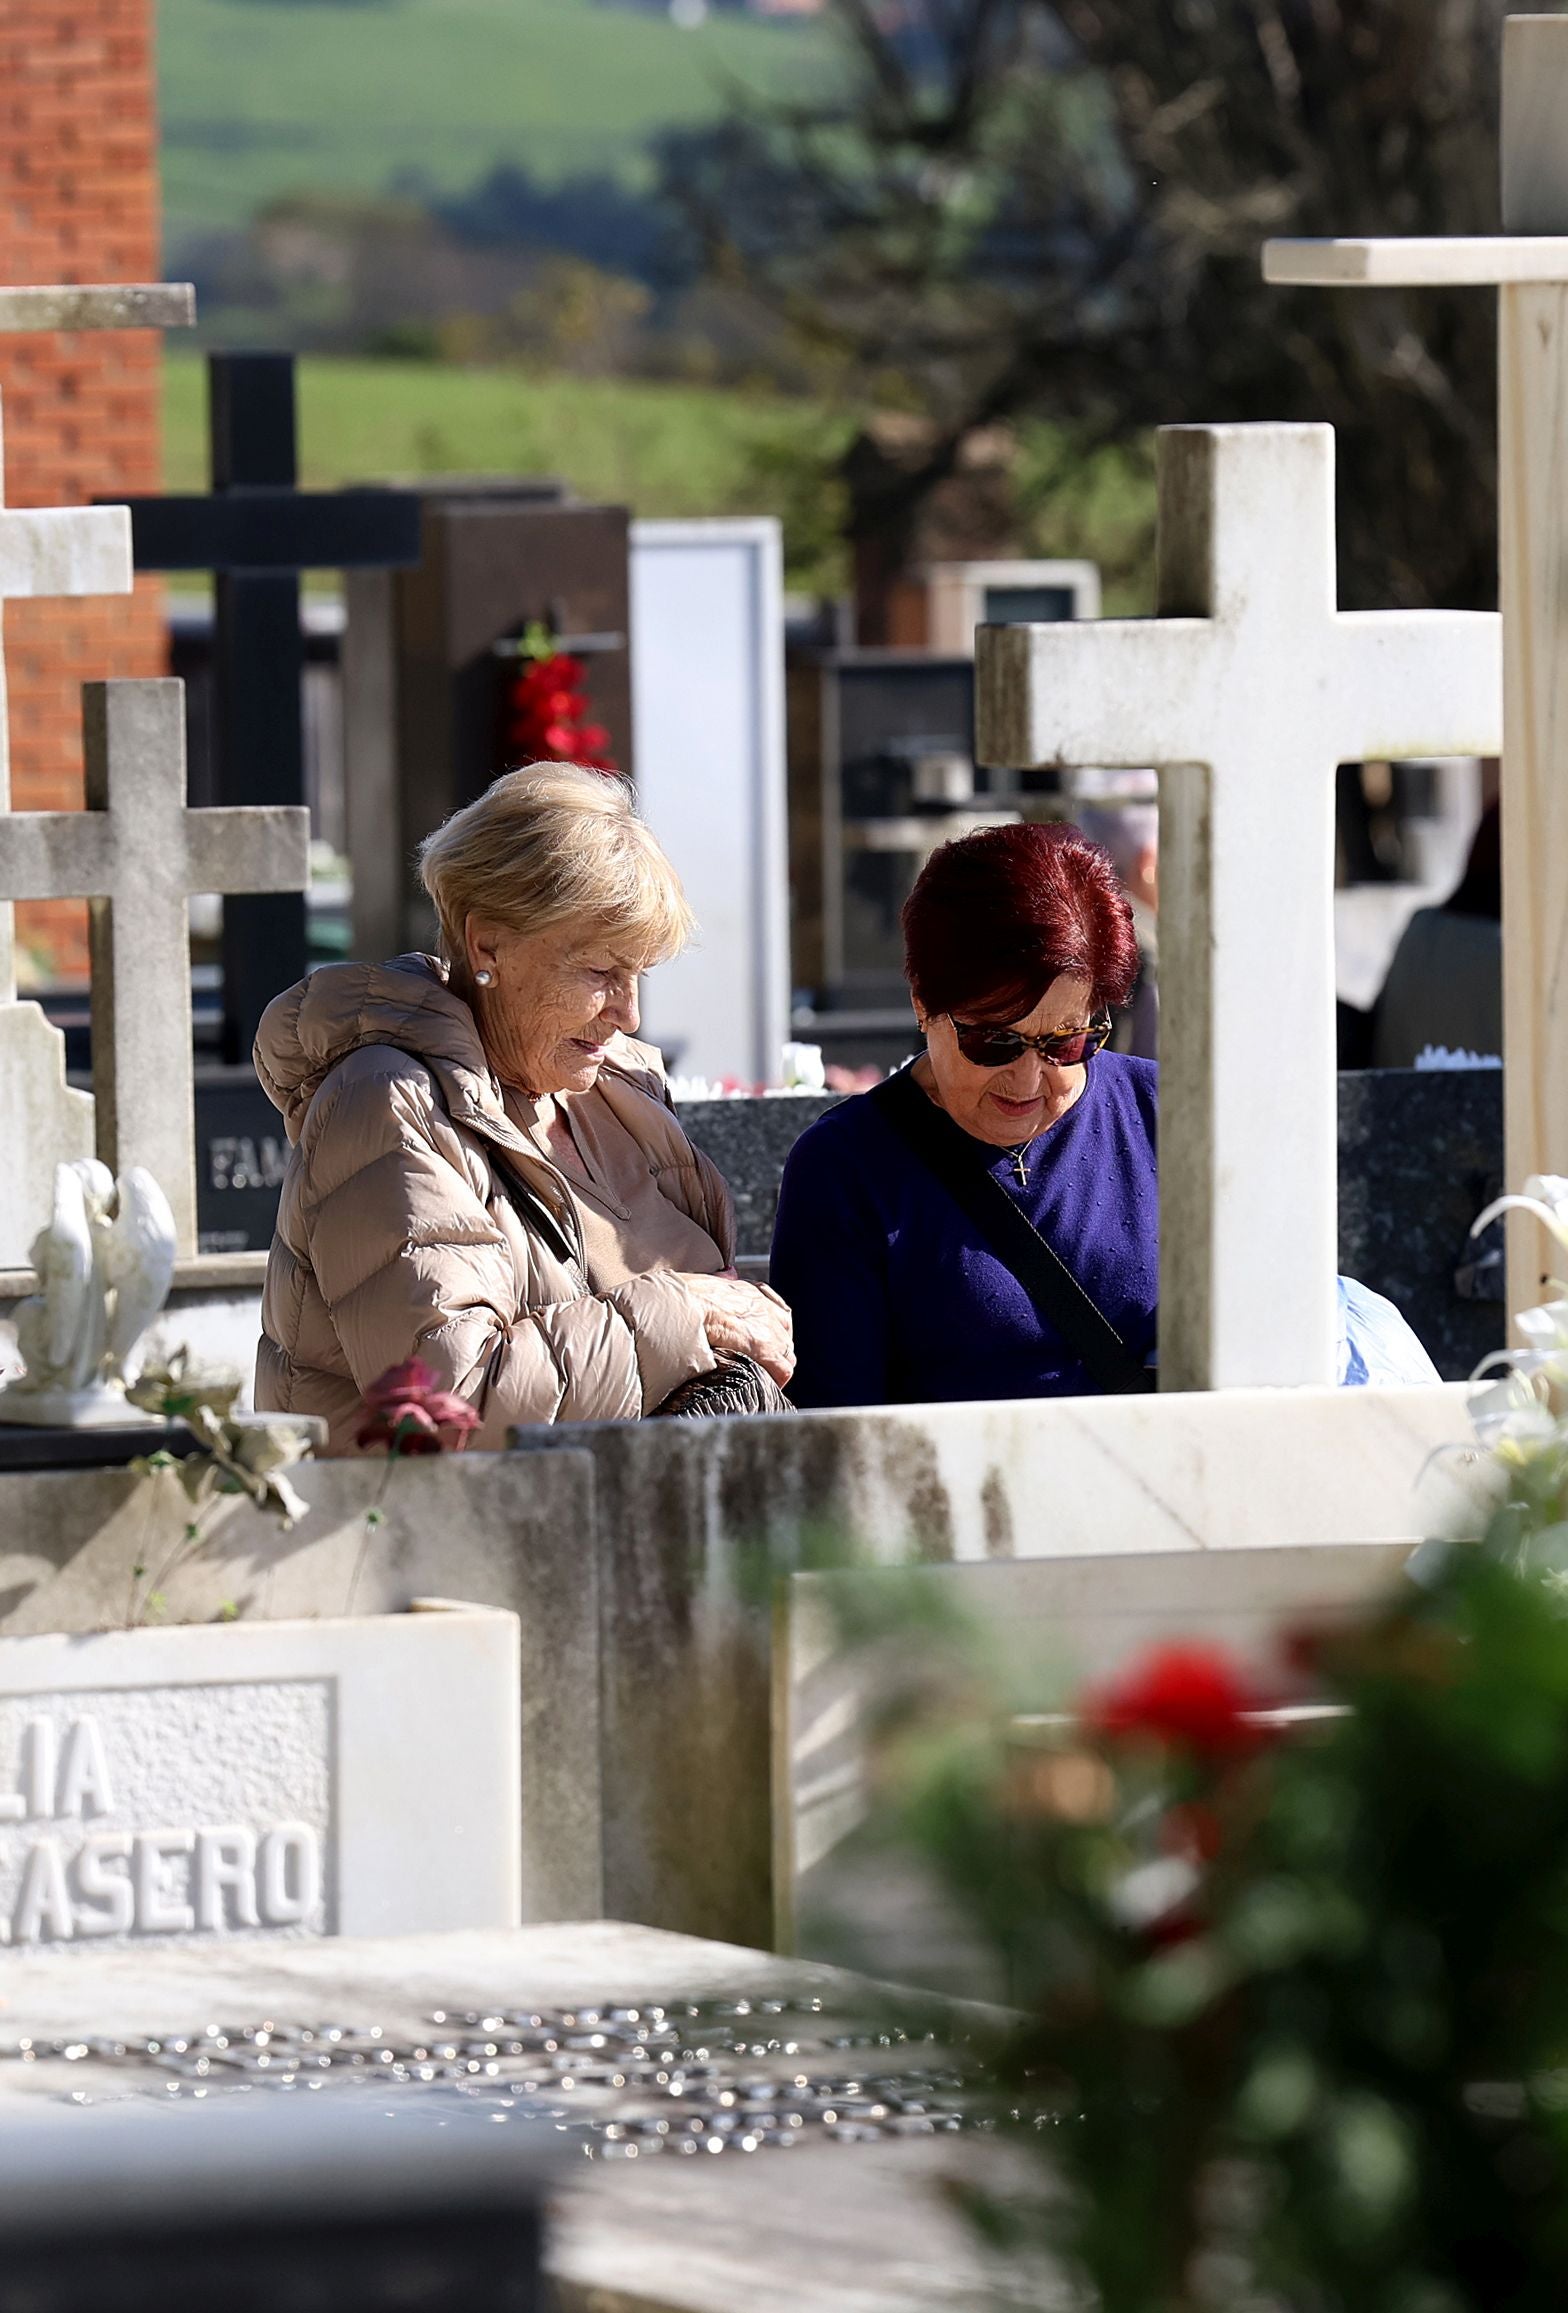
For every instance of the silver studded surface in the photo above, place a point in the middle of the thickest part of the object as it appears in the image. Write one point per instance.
(687, 2077)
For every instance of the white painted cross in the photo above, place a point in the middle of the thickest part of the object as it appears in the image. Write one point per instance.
(1246, 692)
(71, 550)
(138, 852)
(1529, 263)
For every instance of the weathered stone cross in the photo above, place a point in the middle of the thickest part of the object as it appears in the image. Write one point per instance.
(1529, 263)
(1246, 692)
(138, 853)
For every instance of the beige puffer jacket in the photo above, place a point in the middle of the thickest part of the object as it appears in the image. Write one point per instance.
(416, 1219)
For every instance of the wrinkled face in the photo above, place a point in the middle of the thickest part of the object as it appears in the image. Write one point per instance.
(1007, 1105)
(555, 1000)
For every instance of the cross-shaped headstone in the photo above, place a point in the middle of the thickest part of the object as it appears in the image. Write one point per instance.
(139, 853)
(258, 533)
(1246, 692)
(55, 551)
(1528, 262)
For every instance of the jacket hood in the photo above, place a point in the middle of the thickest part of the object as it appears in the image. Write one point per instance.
(409, 1005)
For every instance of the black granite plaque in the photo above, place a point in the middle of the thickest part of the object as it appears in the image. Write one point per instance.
(241, 1150)
(23, 1448)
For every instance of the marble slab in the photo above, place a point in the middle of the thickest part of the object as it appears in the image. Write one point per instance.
(830, 2229)
(1044, 1629)
(265, 1779)
(696, 1521)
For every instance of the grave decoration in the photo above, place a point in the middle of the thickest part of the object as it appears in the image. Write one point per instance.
(104, 1265)
(1528, 264)
(139, 853)
(545, 710)
(1246, 693)
(295, 1779)
(258, 532)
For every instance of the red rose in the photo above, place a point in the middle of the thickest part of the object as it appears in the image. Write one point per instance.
(407, 1412)
(1190, 1697)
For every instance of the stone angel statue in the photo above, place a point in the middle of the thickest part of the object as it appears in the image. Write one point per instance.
(105, 1262)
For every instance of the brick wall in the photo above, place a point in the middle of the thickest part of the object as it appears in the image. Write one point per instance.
(79, 412)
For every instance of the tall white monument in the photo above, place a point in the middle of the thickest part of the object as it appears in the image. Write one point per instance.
(1528, 262)
(1246, 692)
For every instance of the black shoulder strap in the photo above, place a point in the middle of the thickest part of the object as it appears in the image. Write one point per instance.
(949, 1154)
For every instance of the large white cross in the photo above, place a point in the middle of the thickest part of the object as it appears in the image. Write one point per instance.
(138, 852)
(1529, 263)
(1246, 692)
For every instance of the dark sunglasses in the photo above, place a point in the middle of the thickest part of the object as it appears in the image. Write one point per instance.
(986, 1047)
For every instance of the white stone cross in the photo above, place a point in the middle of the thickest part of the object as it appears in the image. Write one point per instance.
(1246, 692)
(1528, 262)
(138, 852)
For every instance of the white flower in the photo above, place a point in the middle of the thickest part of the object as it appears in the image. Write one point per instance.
(1545, 1195)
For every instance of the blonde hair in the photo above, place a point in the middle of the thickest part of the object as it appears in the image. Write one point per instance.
(549, 843)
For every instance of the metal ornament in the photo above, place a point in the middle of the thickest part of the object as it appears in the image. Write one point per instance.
(682, 2077)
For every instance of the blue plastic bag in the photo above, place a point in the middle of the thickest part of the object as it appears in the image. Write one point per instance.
(1377, 1348)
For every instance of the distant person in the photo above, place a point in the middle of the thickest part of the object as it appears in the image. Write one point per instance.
(1130, 833)
(985, 1224)
(1445, 984)
(485, 1171)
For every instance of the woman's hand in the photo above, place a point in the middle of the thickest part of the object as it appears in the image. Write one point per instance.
(749, 1321)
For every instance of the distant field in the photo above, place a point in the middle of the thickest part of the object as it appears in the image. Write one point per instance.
(265, 97)
(660, 449)
(678, 450)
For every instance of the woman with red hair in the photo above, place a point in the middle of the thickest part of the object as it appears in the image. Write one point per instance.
(985, 1224)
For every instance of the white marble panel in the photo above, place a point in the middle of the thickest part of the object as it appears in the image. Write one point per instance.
(273, 1779)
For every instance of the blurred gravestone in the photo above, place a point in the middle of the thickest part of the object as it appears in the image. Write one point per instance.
(427, 657)
(270, 2209)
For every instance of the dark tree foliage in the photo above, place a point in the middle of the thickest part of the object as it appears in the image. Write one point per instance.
(1010, 208)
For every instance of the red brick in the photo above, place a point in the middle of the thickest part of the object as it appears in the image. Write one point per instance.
(78, 201)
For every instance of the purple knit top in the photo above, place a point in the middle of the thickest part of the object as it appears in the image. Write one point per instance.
(896, 1298)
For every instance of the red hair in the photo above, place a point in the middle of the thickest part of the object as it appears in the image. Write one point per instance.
(996, 917)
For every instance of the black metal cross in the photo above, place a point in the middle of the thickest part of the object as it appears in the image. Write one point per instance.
(258, 534)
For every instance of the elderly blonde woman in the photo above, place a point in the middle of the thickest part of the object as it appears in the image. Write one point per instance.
(485, 1171)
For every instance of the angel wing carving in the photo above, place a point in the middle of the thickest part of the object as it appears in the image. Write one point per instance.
(138, 1261)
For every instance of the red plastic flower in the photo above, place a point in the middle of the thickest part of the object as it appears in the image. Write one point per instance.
(545, 714)
(1188, 1697)
(408, 1412)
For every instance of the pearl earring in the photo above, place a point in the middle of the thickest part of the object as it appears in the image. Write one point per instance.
(483, 979)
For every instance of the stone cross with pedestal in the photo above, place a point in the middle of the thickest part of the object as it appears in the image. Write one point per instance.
(68, 550)
(139, 853)
(1528, 263)
(1246, 692)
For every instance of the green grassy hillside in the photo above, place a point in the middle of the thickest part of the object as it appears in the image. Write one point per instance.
(266, 97)
(675, 450)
